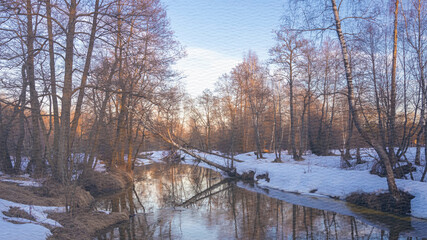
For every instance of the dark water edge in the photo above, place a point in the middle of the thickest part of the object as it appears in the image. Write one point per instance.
(188, 202)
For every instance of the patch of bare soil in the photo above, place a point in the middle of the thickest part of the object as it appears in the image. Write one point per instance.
(84, 225)
(18, 213)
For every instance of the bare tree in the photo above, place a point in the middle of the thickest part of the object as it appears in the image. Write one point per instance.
(251, 77)
(285, 54)
(357, 121)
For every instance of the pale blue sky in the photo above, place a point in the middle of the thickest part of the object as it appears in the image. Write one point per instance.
(217, 34)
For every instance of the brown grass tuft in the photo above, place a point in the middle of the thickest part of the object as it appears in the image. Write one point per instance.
(101, 183)
(84, 225)
(18, 213)
(26, 195)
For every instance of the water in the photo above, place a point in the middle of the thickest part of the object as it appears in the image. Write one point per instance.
(187, 202)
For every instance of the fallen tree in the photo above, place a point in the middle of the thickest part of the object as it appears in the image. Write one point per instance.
(216, 154)
(231, 172)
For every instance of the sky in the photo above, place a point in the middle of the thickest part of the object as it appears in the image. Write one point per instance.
(218, 33)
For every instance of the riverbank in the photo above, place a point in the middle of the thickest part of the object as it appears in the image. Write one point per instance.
(32, 209)
(35, 209)
(318, 175)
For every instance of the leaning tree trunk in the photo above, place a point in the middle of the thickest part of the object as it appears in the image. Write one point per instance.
(356, 120)
(86, 68)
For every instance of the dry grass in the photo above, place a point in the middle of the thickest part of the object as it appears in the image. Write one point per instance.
(51, 194)
(101, 183)
(26, 195)
(18, 213)
(84, 225)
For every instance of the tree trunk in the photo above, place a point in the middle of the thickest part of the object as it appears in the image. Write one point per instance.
(302, 131)
(392, 114)
(118, 154)
(320, 149)
(64, 140)
(5, 163)
(130, 142)
(291, 110)
(37, 161)
(421, 66)
(358, 157)
(257, 135)
(56, 126)
(102, 112)
(331, 121)
(357, 122)
(85, 74)
(418, 148)
(309, 125)
(21, 137)
(425, 151)
(347, 154)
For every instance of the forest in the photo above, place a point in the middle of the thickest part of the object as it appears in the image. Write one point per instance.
(90, 82)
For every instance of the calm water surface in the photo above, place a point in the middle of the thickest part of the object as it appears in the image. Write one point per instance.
(188, 202)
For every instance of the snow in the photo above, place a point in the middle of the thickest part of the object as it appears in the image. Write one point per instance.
(150, 157)
(320, 175)
(25, 183)
(24, 162)
(21, 180)
(100, 167)
(27, 229)
(19, 228)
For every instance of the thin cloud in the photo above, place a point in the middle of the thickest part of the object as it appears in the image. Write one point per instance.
(203, 67)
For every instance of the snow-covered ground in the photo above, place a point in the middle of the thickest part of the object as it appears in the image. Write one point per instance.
(20, 228)
(26, 229)
(22, 180)
(319, 175)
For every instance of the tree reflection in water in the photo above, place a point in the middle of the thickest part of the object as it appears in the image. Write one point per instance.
(187, 202)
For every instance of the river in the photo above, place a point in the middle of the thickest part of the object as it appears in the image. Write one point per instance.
(189, 202)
